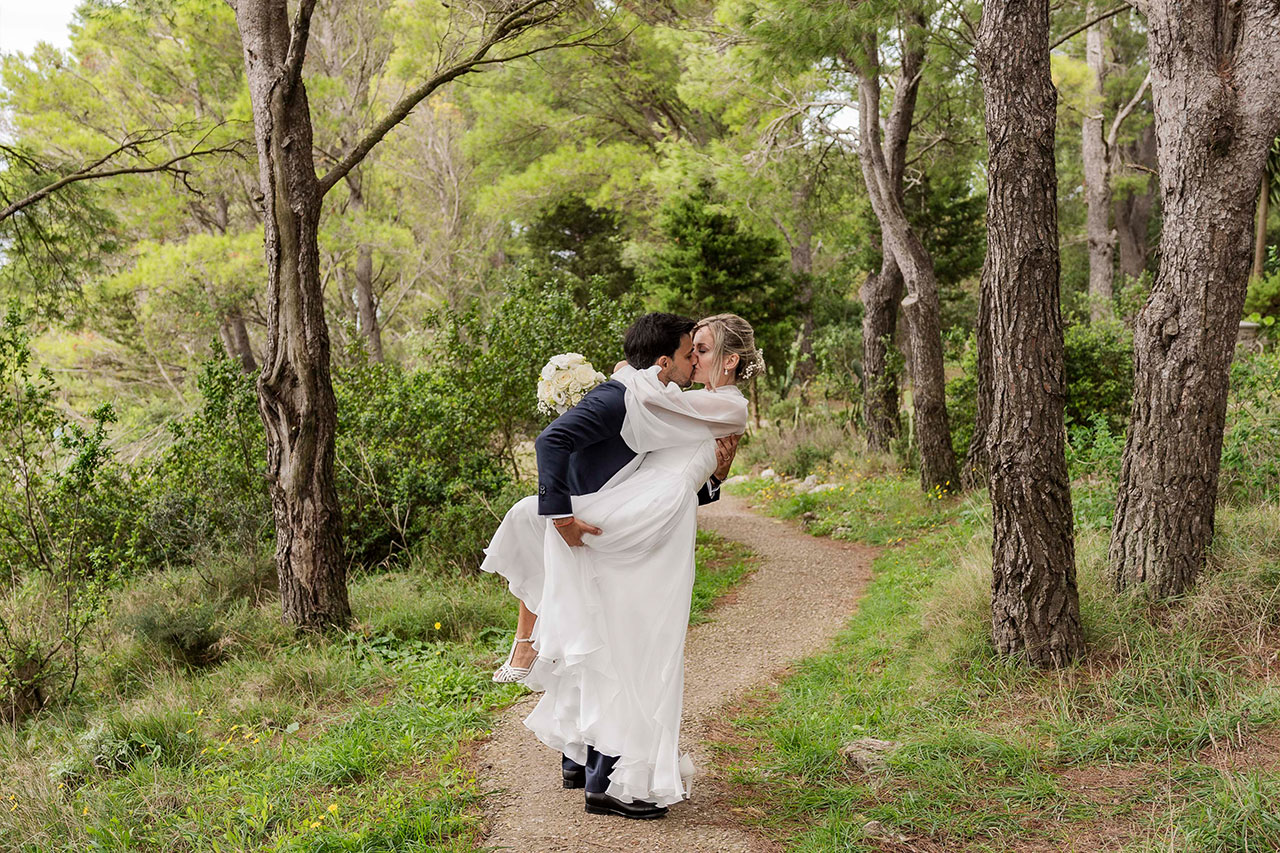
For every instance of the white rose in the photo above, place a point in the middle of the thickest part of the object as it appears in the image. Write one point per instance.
(585, 375)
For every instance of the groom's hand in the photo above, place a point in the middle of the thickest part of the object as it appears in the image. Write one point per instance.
(571, 530)
(726, 449)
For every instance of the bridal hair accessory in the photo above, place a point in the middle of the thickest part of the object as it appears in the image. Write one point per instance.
(754, 367)
(564, 381)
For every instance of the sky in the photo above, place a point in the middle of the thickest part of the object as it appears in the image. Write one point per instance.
(25, 22)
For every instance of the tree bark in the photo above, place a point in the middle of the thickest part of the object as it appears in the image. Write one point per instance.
(1097, 179)
(295, 393)
(1035, 609)
(880, 295)
(1217, 109)
(921, 307)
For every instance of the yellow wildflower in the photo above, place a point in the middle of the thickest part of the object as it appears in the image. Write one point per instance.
(314, 824)
(437, 626)
(333, 807)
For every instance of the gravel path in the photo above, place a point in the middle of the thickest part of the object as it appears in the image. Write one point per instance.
(803, 591)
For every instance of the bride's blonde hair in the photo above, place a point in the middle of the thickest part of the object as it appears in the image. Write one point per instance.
(731, 335)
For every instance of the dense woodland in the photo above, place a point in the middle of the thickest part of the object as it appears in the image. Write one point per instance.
(1003, 246)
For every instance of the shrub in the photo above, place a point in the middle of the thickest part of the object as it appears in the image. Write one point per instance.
(171, 612)
(210, 484)
(68, 527)
(962, 399)
(1099, 373)
(1263, 296)
(837, 351)
(1251, 443)
(797, 448)
(409, 444)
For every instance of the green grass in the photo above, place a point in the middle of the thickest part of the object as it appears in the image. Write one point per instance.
(1127, 750)
(357, 742)
(721, 566)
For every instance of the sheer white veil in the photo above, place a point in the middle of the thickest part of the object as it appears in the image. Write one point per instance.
(660, 415)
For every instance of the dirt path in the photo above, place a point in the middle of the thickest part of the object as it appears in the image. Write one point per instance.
(801, 594)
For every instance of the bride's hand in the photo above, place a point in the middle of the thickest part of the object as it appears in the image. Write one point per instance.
(726, 449)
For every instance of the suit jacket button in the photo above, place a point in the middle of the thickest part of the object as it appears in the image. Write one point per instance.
(542, 490)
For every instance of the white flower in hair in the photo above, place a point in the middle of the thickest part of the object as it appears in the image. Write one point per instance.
(564, 381)
(755, 366)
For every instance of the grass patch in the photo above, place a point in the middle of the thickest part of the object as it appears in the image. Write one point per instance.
(355, 742)
(1163, 738)
(721, 565)
(863, 507)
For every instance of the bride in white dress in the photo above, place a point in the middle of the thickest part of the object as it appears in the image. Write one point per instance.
(612, 615)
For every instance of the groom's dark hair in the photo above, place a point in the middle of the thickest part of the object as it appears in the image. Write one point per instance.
(653, 336)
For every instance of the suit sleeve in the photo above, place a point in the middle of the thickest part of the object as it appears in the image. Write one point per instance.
(594, 419)
(708, 493)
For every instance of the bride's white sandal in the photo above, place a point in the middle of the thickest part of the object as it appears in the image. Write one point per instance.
(507, 673)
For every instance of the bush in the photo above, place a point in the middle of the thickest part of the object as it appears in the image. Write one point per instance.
(409, 444)
(1099, 373)
(1251, 444)
(210, 484)
(68, 528)
(797, 448)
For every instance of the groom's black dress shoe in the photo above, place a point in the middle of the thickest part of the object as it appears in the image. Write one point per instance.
(636, 810)
(575, 778)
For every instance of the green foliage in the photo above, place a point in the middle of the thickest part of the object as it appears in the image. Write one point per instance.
(68, 526)
(1262, 299)
(962, 398)
(1099, 371)
(493, 360)
(1251, 444)
(583, 241)
(409, 444)
(209, 486)
(708, 263)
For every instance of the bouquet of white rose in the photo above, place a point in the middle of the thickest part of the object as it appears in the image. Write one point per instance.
(564, 381)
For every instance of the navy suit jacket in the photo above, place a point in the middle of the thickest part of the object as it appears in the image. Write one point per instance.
(583, 448)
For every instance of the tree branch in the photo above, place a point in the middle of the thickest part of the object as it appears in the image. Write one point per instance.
(1097, 19)
(518, 20)
(298, 34)
(88, 173)
(1124, 113)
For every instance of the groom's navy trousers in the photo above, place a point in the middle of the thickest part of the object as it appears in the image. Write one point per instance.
(577, 454)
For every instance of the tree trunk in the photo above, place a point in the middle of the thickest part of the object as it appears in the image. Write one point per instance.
(366, 303)
(921, 307)
(240, 346)
(1134, 209)
(802, 271)
(1097, 180)
(1260, 230)
(880, 295)
(1217, 109)
(1035, 610)
(295, 394)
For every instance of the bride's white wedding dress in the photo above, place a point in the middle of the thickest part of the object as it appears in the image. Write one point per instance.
(612, 615)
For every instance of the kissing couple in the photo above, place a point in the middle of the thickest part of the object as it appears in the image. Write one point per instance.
(602, 558)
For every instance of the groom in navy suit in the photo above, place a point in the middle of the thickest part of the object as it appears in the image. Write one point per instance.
(578, 453)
